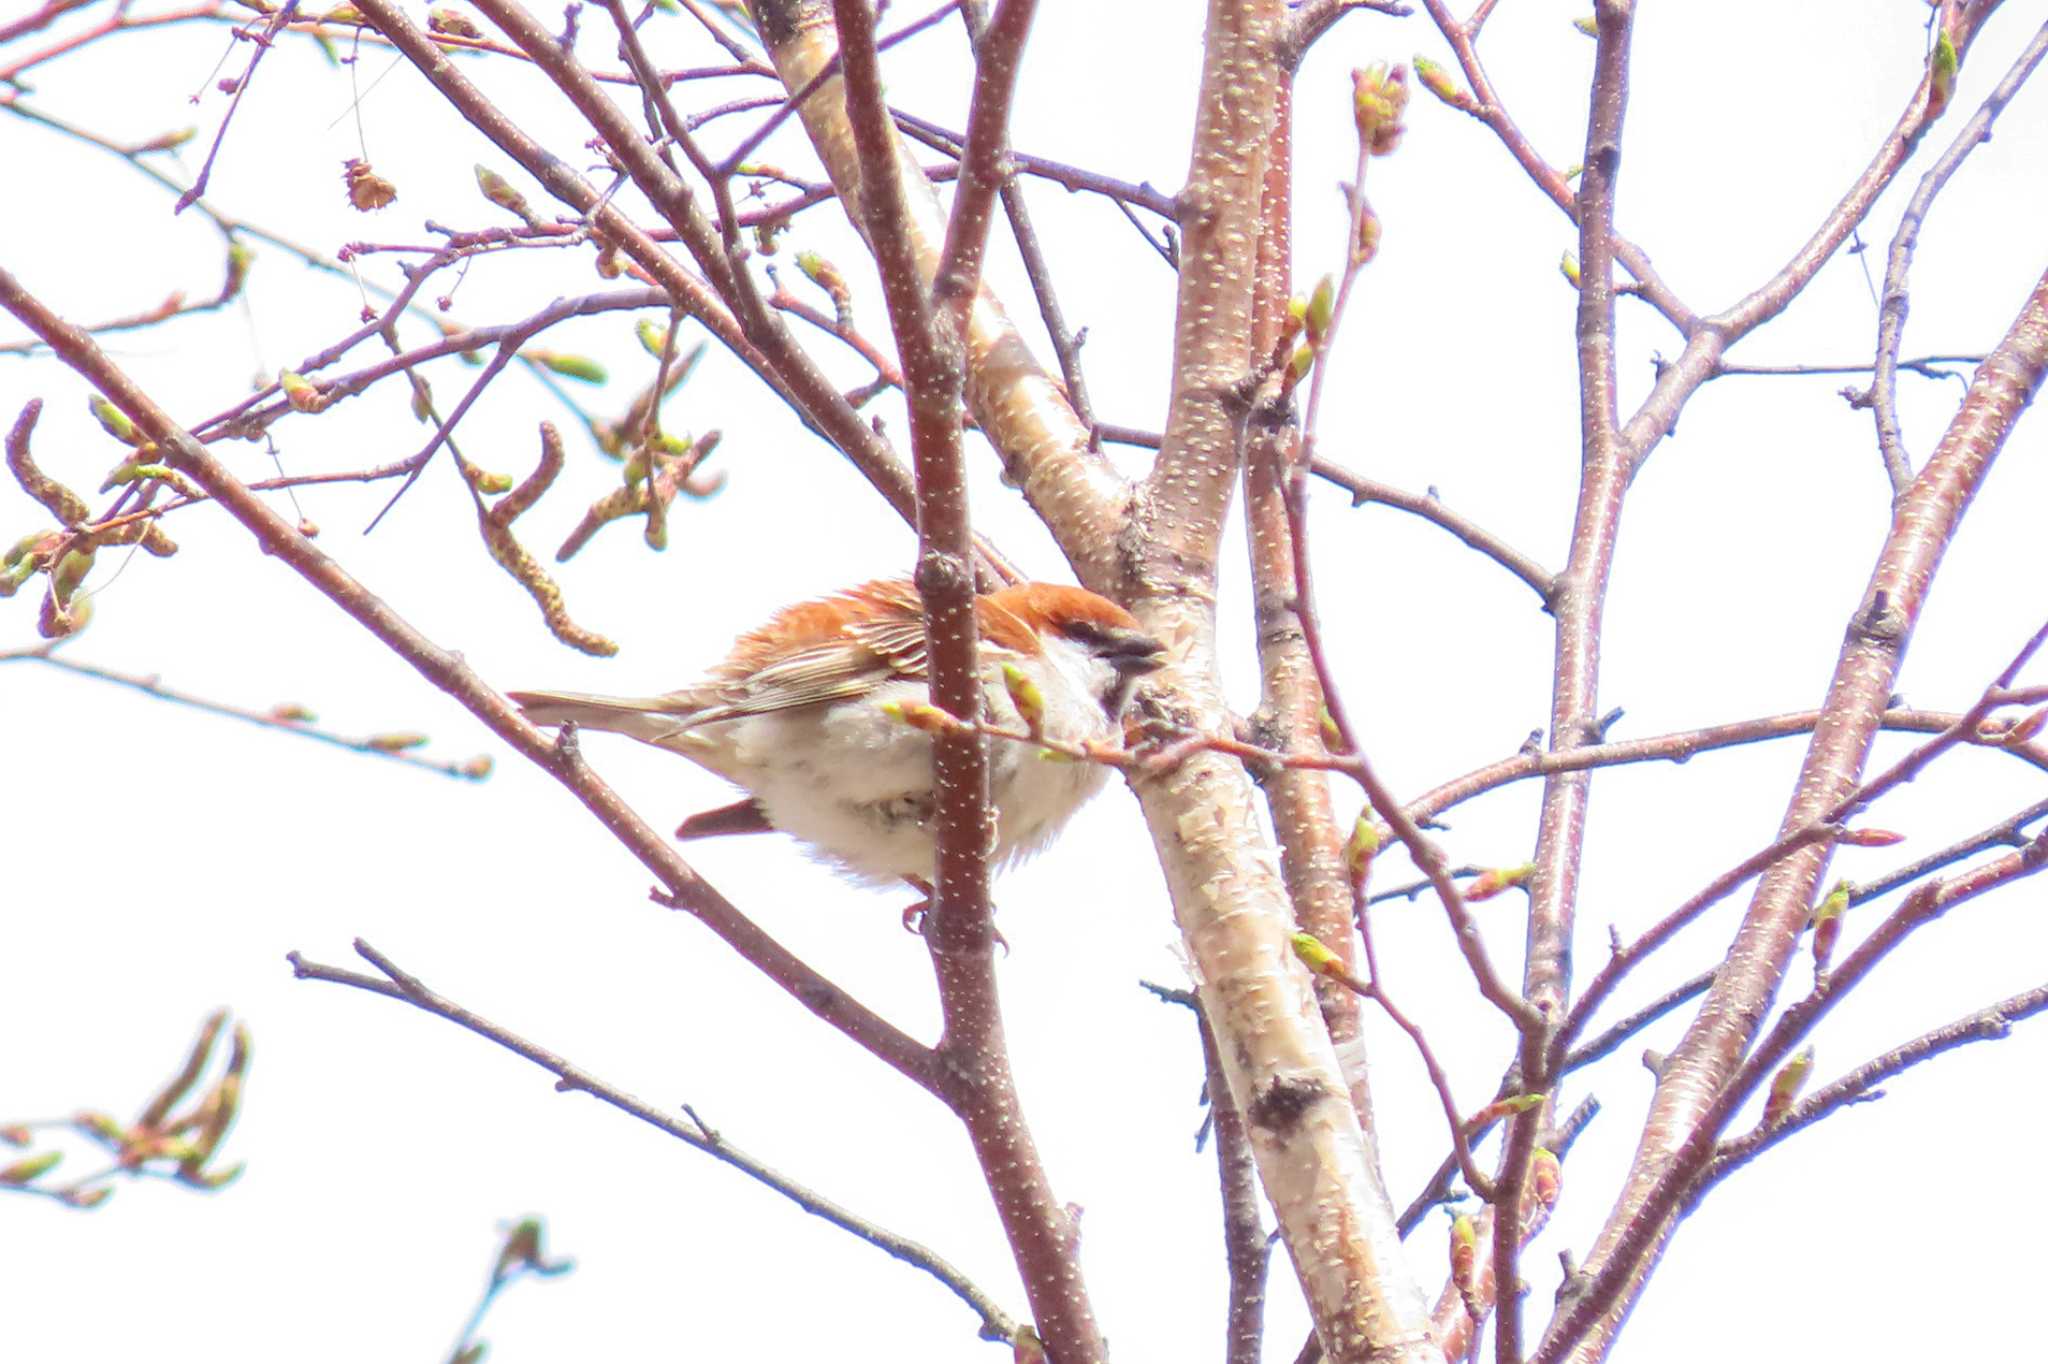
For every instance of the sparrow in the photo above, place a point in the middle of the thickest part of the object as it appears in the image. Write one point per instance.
(805, 715)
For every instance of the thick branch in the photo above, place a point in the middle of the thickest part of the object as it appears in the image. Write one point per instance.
(959, 930)
(1319, 1174)
(1291, 695)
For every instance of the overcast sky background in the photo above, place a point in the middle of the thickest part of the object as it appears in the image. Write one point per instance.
(159, 863)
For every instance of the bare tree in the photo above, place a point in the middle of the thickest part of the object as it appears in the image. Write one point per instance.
(682, 218)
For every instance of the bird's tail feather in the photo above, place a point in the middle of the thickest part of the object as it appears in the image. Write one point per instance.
(651, 719)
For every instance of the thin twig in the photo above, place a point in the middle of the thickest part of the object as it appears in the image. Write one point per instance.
(1893, 303)
(2008, 831)
(1927, 366)
(1615, 1276)
(286, 719)
(1247, 1250)
(1485, 105)
(1861, 1084)
(1678, 748)
(1427, 506)
(1076, 178)
(570, 1078)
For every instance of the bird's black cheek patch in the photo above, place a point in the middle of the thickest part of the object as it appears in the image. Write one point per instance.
(1282, 1105)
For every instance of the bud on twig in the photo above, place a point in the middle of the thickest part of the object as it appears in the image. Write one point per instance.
(1827, 925)
(114, 421)
(1942, 65)
(571, 366)
(303, 396)
(453, 24)
(1026, 697)
(1465, 1262)
(1546, 1180)
(499, 191)
(1379, 93)
(1502, 1108)
(1492, 882)
(1438, 82)
(1363, 845)
(922, 715)
(29, 1169)
(1785, 1087)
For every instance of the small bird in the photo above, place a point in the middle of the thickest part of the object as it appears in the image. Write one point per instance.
(795, 716)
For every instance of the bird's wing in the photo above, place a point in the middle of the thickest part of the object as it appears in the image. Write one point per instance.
(843, 658)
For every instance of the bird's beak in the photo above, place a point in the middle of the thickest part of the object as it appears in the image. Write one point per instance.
(1135, 654)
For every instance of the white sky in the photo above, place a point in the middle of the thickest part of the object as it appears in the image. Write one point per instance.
(156, 863)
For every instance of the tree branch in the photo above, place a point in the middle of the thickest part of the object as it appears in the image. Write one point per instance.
(1860, 1085)
(1891, 316)
(288, 719)
(1246, 1248)
(1614, 1278)
(1678, 748)
(1427, 506)
(1709, 339)
(447, 671)
(1017, 405)
(400, 985)
(959, 930)
(1700, 1068)
(1579, 602)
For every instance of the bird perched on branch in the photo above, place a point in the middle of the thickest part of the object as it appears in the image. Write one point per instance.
(808, 715)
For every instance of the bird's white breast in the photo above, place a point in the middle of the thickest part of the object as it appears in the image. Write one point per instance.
(856, 782)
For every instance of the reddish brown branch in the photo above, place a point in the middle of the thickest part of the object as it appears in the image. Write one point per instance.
(1679, 748)
(1291, 698)
(1074, 178)
(1579, 602)
(447, 671)
(959, 930)
(998, 49)
(1374, 988)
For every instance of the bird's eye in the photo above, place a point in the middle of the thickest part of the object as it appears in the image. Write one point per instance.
(1125, 649)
